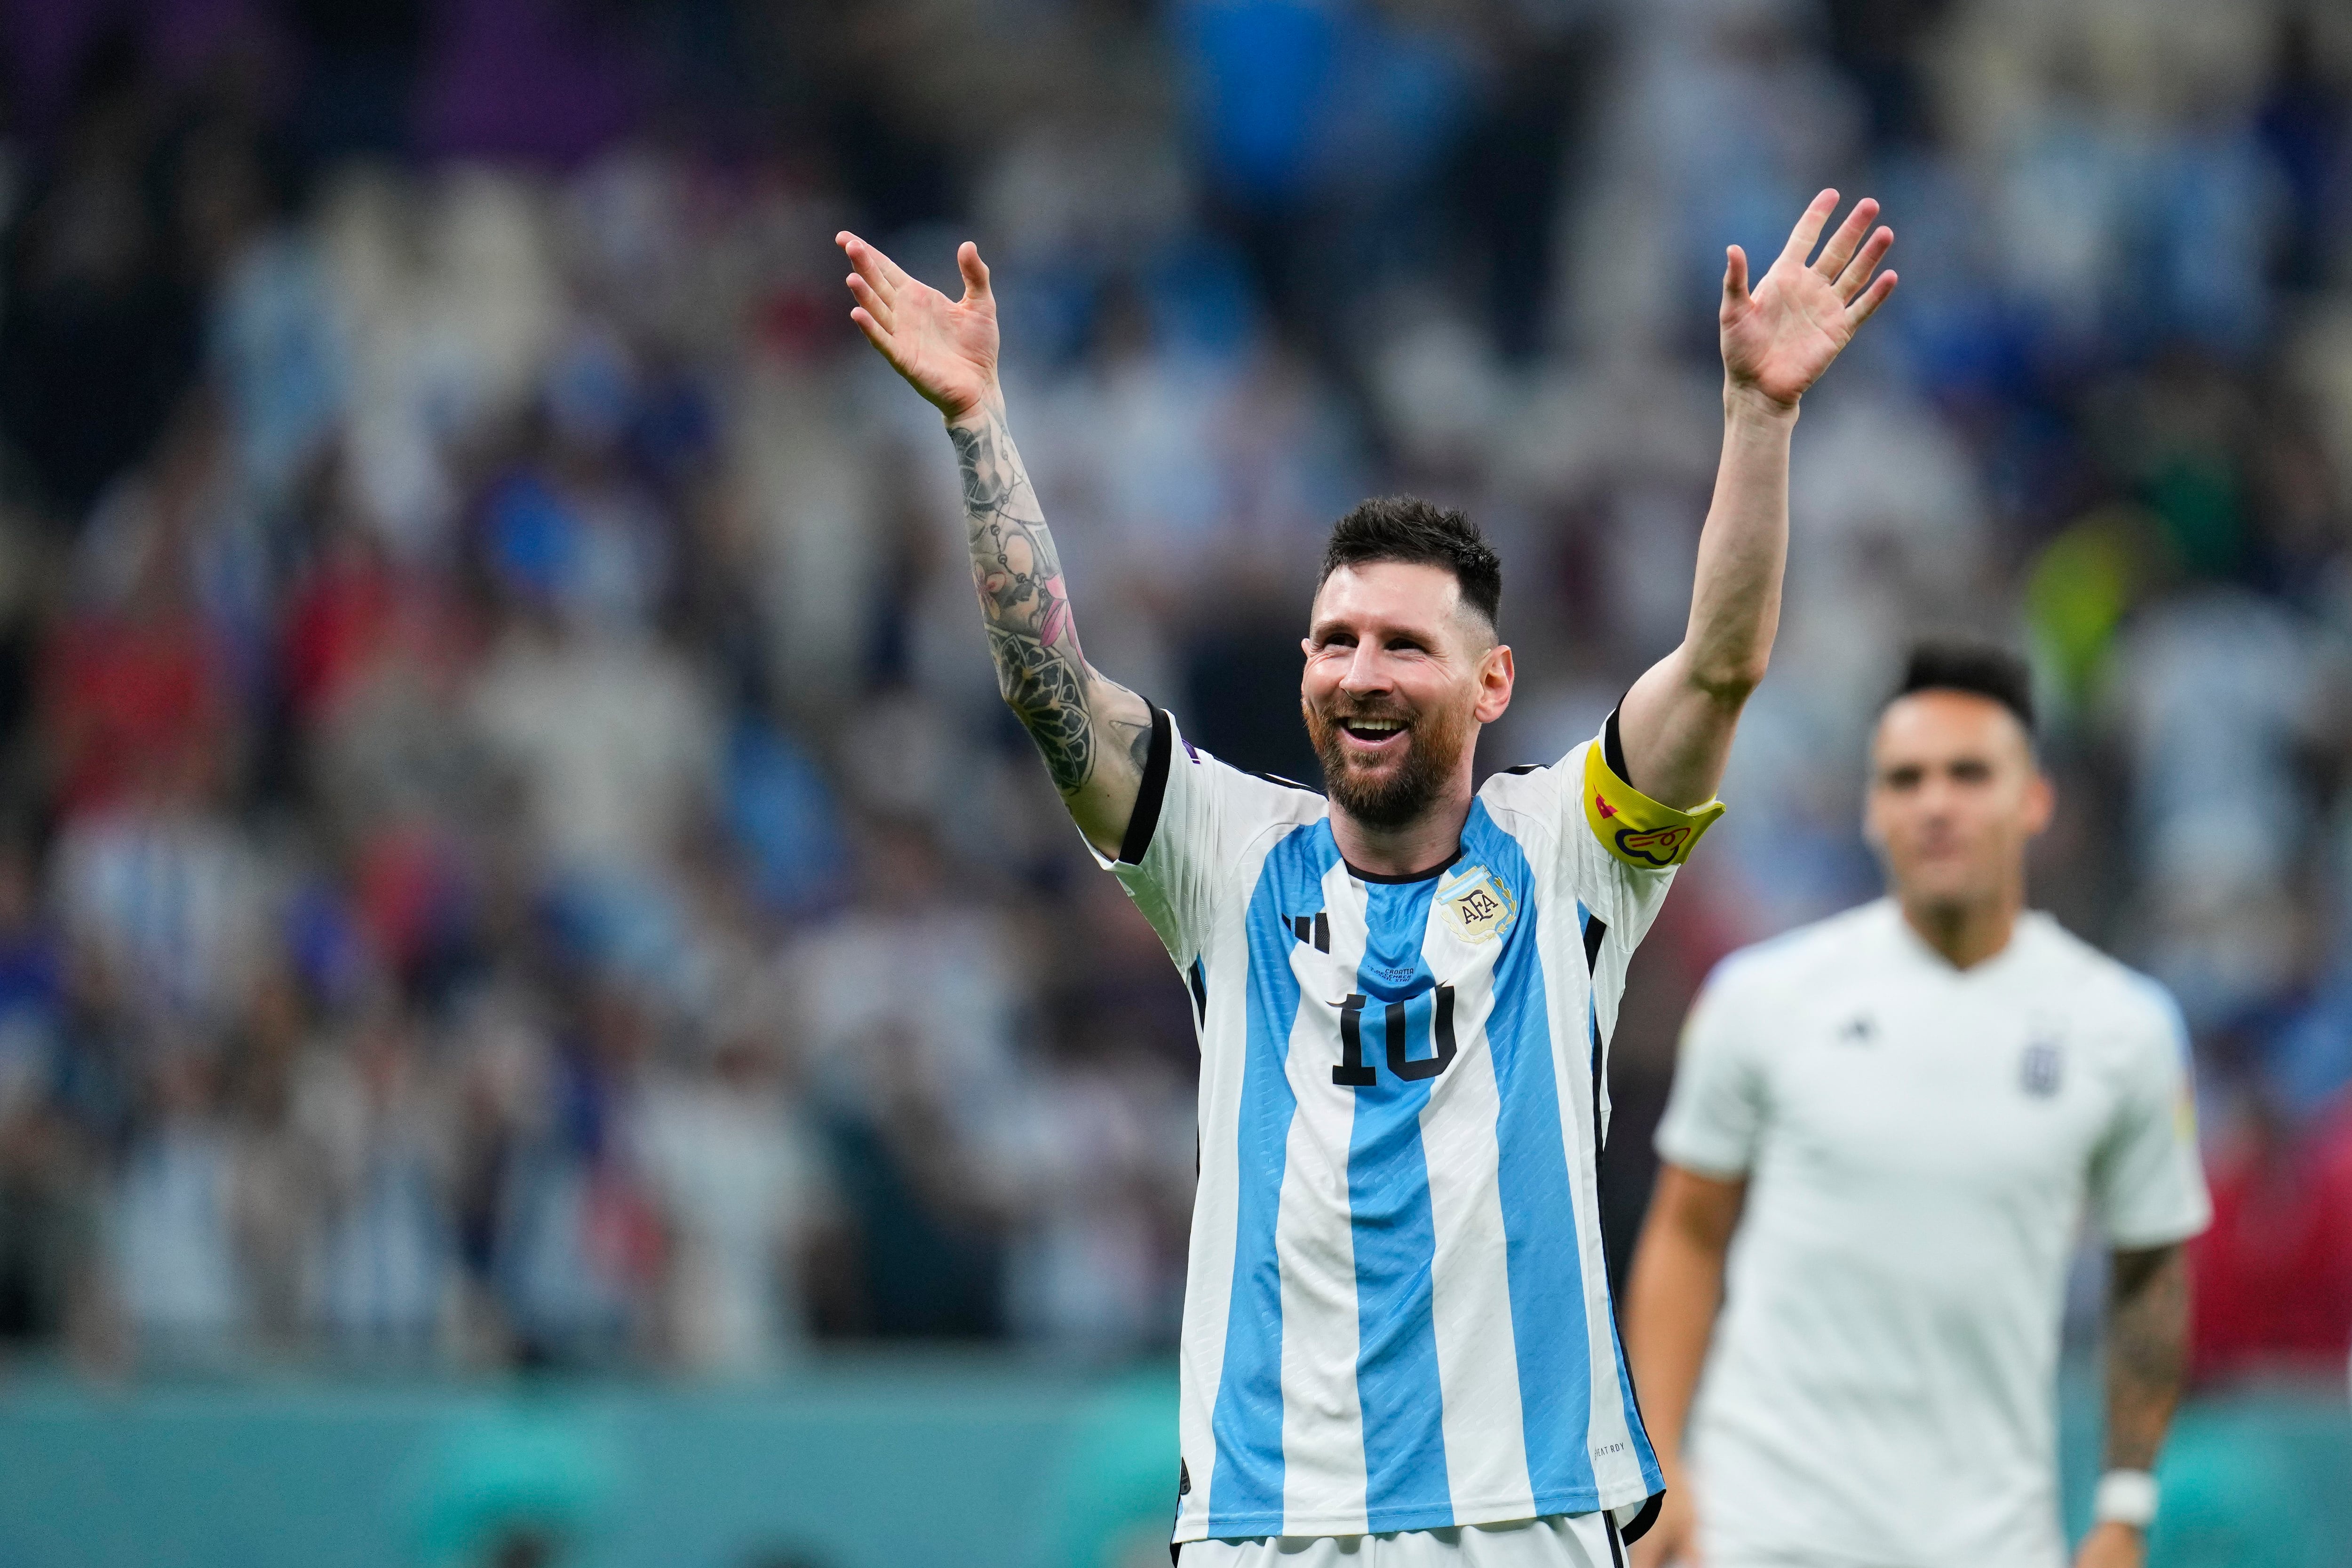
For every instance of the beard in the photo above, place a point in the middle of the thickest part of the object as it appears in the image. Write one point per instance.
(1403, 791)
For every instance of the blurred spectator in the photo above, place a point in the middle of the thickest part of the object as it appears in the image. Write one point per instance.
(175, 1226)
(741, 1182)
(2273, 1276)
(375, 1124)
(136, 698)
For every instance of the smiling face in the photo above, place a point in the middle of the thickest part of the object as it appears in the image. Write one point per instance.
(1954, 796)
(1399, 676)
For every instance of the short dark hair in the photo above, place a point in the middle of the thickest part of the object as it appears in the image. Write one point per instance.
(1982, 669)
(1421, 533)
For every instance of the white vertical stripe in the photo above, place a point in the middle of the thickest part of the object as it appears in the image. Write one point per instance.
(1216, 1202)
(1609, 1441)
(1477, 1357)
(1322, 1422)
(1620, 1468)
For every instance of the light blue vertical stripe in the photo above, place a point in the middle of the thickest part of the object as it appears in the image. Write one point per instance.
(1548, 1324)
(1246, 1485)
(1397, 1382)
(1651, 1476)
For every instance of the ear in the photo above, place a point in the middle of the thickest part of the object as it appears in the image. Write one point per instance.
(2040, 803)
(1496, 676)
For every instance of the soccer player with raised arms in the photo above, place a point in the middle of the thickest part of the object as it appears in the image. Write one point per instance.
(1398, 1347)
(1904, 1112)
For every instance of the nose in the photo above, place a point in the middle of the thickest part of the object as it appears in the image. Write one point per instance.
(1366, 671)
(1937, 799)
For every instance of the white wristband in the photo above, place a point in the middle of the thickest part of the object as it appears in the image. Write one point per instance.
(2124, 1496)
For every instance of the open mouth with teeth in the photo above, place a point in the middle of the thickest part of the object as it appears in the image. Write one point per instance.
(1374, 731)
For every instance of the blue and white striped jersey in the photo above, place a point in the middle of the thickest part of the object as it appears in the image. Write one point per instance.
(1397, 1315)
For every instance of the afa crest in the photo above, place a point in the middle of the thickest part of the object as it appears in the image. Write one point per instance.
(1477, 905)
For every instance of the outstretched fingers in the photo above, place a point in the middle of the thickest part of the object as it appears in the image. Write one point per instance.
(1856, 276)
(1841, 246)
(875, 333)
(883, 274)
(1809, 227)
(1863, 309)
(876, 308)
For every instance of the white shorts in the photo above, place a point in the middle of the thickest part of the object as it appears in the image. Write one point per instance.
(1558, 1541)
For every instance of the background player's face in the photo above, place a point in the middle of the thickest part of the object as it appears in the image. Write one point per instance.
(1400, 675)
(1954, 795)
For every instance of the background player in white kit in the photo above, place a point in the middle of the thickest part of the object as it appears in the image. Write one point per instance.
(1903, 1113)
(1398, 1346)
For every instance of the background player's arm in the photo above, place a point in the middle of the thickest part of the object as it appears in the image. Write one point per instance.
(1675, 1292)
(2148, 1358)
(1094, 734)
(1676, 722)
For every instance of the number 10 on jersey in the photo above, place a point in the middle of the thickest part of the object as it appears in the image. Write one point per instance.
(1433, 1010)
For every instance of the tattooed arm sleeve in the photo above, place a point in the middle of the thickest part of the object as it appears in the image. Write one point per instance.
(2147, 1353)
(1093, 733)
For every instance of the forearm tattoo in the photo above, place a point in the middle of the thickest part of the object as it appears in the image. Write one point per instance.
(1039, 666)
(2147, 1352)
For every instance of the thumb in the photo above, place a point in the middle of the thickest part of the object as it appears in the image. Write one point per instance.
(1735, 279)
(974, 270)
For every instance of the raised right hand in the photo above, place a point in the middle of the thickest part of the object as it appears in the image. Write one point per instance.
(945, 348)
(1778, 338)
(1672, 1540)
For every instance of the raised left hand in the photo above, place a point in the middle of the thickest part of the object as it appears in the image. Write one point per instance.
(2112, 1546)
(1777, 340)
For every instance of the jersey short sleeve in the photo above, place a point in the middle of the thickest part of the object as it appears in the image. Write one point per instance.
(1715, 1114)
(2147, 1184)
(1630, 827)
(1194, 820)
(1622, 847)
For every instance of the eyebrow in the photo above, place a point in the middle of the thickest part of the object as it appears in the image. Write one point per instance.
(1326, 628)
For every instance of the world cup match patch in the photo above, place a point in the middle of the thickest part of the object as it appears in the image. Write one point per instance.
(1634, 828)
(1477, 906)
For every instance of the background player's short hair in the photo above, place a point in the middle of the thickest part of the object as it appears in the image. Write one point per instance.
(1421, 533)
(1982, 669)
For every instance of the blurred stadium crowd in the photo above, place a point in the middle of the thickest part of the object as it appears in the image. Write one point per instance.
(509, 854)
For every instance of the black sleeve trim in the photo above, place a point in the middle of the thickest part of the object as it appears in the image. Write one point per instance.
(1612, 747)
(1145, 817)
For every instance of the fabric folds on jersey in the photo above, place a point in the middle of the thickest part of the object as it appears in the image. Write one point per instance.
(1246, 1483)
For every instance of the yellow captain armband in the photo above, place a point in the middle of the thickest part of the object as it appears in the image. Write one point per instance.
(1634, 828)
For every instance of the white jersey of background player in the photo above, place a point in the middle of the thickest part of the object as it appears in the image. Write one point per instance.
(1397, 1324)
(1906, 1112)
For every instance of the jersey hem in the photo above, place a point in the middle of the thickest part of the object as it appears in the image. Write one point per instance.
(1389, 1520)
